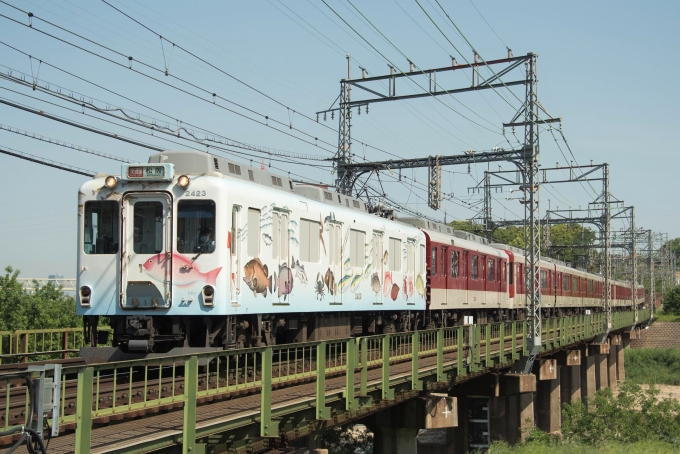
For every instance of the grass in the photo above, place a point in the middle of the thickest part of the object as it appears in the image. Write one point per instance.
(647, 447)
(653, 366)
(661, 317)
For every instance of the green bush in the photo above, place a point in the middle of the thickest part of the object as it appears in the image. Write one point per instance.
(654, 366)
(46, 307)
(609, 448)
(671, 301)
(633, 421)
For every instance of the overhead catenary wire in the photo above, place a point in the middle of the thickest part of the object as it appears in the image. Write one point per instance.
(153, 123)
(214, 95)
(46, 162)
(477, 53)
(233, 142)
(116, 136)
(107, 59)
(230, 75)
(33, 135)
(397, 67)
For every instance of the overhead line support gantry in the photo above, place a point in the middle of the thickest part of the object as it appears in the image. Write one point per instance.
(526, 158)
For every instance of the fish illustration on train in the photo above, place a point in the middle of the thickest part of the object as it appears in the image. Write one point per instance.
(256, 276)
(184, 271)
(284, 281)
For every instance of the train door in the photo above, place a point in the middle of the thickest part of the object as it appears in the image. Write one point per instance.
(452, 277)
(147, 258)
(465, 267)
(409, 284)
(235, 259)
(520, 297)
(280, 248)
(377, 276)
(493, 275)
(334, 272)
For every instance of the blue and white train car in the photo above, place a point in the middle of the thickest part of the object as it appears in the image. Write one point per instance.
(193, 250)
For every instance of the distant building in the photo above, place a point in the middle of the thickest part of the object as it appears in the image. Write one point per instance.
(57, 279)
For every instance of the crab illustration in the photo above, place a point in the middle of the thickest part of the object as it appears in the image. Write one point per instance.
(319, 287)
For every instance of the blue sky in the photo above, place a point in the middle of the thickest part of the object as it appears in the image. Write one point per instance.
(607, 68)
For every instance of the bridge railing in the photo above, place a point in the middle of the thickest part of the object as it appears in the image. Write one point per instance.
(41, 344)
(108, 390)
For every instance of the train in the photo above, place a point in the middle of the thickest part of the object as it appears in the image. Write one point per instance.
(195, 251)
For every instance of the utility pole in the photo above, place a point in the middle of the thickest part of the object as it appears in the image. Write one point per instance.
(344, 132)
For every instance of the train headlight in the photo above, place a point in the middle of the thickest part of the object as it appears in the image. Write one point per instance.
(183, 181)
(85, 294)
(208, 295)
(111, 182)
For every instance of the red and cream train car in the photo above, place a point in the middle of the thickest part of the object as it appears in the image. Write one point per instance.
(467, 277)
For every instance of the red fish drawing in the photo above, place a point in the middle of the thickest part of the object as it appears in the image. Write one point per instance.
(183, 271)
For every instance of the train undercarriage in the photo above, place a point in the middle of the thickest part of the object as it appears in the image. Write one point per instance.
(162, 334)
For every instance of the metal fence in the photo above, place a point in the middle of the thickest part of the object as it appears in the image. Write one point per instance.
(107, 390)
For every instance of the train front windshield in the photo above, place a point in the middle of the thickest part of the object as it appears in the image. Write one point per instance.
(101, 232)
(196, 226)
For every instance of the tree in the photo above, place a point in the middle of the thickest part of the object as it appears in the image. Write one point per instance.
(671, 301)
(45, 307)
(674, 246)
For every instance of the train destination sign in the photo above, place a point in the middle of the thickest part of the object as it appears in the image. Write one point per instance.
(148, 171)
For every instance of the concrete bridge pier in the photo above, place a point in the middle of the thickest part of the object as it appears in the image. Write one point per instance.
(395, 430)
(548, 396)
(513, 407)
(569, 362)
(588, 380)
(601, 353)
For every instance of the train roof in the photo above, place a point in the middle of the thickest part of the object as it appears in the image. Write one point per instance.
(465, 244)
(192, 162)
(424, 224)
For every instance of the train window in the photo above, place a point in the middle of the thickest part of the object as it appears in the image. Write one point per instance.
(328, 196)
(253, 232)
(512, 273)
(395, 254)
(565, 283)
(356, 204)
(574, 284)
(454, 263)
(544, 279)
(588, 286)
(422, 259)
(433, 262)
(357, 248)
(195, 226)
(347, 202)
(148, 225)
(251, 176)
(101, 234)
(491, 270)
(474, 265)
(309, 240)
(504, 269)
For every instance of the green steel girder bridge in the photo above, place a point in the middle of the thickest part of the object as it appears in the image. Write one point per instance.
(256, 399)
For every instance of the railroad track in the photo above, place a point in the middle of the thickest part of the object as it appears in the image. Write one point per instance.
(140, 385)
